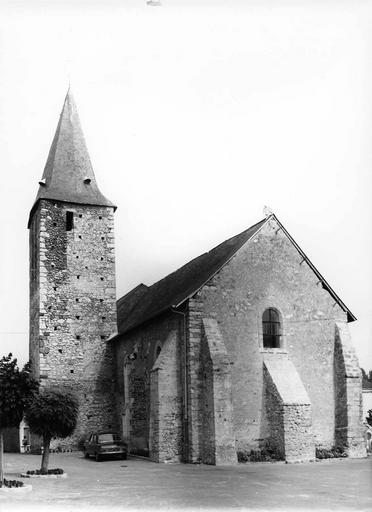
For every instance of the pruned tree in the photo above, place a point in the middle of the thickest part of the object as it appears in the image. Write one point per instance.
(52, 413)
(17, 389)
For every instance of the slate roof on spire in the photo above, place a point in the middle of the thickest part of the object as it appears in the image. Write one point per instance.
(68, 174)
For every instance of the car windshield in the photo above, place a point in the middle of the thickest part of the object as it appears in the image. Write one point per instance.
(104, 438)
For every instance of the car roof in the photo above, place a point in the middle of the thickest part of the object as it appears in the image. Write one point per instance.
(105, 432)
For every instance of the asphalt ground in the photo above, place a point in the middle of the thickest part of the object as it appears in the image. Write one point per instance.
(339, 484)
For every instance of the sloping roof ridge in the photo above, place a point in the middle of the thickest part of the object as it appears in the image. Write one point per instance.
(325, 284)
(140, 285)
(208, 252)
(262, 222)
(179, 296)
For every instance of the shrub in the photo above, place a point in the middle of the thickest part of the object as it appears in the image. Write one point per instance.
(330, 453)
(57, 471)
(11, 483)
(81, 443)
(267, 453)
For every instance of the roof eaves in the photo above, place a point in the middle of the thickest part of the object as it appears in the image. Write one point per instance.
(326, 286)
(142, 322)
(34, 206)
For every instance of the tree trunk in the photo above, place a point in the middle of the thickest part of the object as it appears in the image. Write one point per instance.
(45, 457)
(1, 457)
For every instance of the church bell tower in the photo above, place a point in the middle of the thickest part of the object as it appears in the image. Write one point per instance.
(72, 278)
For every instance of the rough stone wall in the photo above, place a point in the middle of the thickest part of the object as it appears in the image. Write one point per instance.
(217, 437)
(165, 436)
(73, 307)
(267, 272)
(348, 395)
(135, 355)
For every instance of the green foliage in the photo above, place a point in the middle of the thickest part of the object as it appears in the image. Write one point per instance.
(11, 483)
(330, 453)
(57, 471)
(366, 379)
(369, 417)
(81, 443)
(17, 389)
(267, 453)
(52, 413)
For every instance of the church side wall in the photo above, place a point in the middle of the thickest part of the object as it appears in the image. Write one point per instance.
(269, 272)
(135, 355)
(73, 307)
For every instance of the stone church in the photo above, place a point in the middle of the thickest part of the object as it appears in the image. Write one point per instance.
(246, 346)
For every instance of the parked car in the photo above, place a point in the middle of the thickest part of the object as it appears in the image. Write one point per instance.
(105, 444)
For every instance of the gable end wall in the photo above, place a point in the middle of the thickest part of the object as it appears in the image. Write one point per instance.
(267, 272)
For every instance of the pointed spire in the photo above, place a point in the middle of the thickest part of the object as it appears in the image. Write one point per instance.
(68, 174)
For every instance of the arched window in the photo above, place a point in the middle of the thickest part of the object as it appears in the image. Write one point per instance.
(271, 328)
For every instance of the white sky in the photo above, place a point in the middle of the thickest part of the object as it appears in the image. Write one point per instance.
(196, 114)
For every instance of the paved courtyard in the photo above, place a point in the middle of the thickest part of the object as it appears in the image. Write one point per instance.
(137, 483)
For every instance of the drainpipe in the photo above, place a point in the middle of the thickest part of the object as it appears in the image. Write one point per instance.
(185, 388)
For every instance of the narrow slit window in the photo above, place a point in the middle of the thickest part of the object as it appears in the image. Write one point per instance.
(271, 328)
(69, 221)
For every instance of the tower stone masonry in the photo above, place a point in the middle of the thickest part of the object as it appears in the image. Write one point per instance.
(72, 279)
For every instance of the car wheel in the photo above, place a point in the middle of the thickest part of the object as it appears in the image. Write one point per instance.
(86, 454)
(123, 456)
(98, 457)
